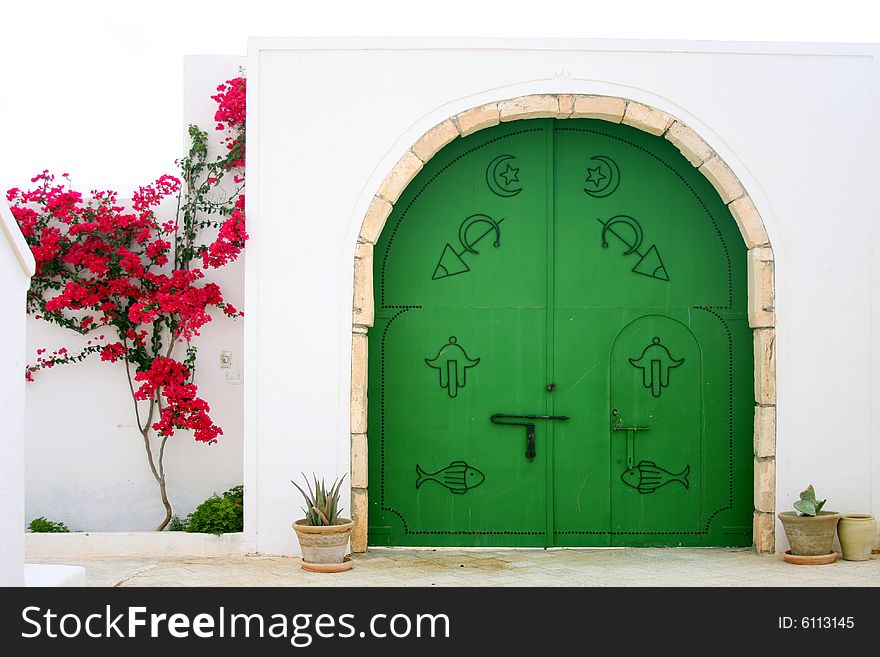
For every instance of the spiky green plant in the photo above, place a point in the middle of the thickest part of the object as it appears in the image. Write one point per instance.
(322, 505)
(808, 505)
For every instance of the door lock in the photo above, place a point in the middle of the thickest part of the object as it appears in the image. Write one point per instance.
(630, 438)
(510, 420)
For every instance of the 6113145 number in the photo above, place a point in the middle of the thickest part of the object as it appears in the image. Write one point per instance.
(817, 623)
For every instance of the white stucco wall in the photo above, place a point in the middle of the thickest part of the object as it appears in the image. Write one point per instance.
(85, 459)
(328, 118)
(16, 268)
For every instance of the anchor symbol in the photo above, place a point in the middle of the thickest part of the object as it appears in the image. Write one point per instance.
(655, 363)
(649, 263)
(451, 262)
(453, 363)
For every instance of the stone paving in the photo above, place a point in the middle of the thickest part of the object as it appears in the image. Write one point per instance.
(522, 567)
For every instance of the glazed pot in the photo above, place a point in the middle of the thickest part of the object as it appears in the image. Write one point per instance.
(323, 544)
(856, 532)
(809, 536)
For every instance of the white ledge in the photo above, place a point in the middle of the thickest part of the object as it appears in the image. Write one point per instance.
(133, 544)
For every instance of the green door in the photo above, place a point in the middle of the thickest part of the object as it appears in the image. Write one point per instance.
(561, 353)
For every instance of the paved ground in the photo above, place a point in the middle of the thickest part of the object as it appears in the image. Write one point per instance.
(449, 567)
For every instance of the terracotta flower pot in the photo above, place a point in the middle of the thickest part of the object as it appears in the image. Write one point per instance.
(809, 536)
(323, 544)
(856, 532)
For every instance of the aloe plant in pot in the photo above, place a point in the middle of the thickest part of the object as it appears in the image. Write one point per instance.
(809, 530)
(323, 535)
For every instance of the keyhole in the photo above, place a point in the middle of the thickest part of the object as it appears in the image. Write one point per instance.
(614, 412)
(551, 387)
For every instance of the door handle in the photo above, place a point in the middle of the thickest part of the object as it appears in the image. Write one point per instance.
(510, 420)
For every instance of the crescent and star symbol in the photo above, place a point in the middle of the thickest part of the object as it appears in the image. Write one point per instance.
(499, 181)
(603, 179)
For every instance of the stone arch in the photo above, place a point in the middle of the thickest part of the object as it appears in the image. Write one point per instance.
(761, 281)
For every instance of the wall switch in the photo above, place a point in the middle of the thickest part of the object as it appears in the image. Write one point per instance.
(225, 359)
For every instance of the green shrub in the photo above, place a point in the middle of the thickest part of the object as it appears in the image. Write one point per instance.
(219, 514)
(176, 524)
(42, 526)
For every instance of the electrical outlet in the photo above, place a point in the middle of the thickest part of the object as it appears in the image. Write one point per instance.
(225, 359)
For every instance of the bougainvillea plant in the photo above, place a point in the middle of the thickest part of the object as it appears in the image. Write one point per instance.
(131, 277)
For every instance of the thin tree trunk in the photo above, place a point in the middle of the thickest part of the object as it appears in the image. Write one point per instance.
(158, 474)
(162, 486)
(166, 503)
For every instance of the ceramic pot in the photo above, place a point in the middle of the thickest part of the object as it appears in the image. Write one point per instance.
(856, 532)
(809, 536)
(323, 544)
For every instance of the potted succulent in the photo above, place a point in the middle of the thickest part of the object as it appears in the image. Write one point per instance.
(323, 535)
(809, 530)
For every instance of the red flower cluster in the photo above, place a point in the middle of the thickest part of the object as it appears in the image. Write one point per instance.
(94, 237)
(230, 239)
(183, 409)
(113, 352)
(230, 114)
(176, 295)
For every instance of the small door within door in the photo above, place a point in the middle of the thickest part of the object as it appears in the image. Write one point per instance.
(656, 429)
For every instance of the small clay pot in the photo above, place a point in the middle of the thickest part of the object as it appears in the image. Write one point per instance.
(856, 532)
(324, 544)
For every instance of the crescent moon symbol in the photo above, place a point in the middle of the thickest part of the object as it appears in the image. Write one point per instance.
(492, 177)
(629, 221)
(479, 219)
(613, 180)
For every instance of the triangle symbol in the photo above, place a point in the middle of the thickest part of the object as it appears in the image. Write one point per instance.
(450, 264)
(651, 265)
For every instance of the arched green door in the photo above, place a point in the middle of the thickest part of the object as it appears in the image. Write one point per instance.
(561, 353)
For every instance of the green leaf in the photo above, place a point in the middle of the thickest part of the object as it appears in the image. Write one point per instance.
(809, 495)
(806, 507)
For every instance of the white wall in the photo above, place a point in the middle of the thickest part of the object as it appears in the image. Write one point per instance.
(330, 117)
(16, 268)
(85, 459)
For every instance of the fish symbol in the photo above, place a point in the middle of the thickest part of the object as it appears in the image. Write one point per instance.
(646, 477)
(458, 477)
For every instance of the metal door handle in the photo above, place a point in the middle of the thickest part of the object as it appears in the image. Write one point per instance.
(506, 419)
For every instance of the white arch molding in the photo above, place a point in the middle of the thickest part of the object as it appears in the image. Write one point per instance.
(761, 281)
